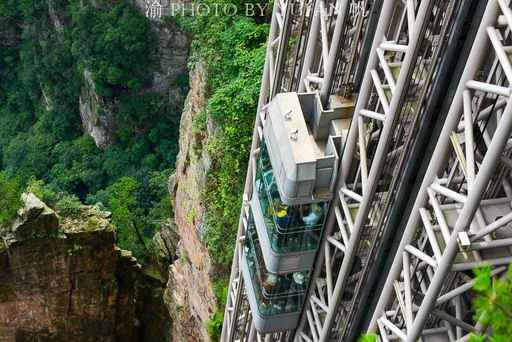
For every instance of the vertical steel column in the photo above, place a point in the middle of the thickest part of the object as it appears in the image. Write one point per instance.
(331, 296)
(476, 57)
(377, 164)
(426, 262)
(236, 290)
(310, 46)
(330, 34)
(366, 87)
(264, 91)
(348, 149)
(330, 64)
(281, 51)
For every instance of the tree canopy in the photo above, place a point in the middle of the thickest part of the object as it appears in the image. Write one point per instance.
(43, 57)
(10, 199)
(493, 305)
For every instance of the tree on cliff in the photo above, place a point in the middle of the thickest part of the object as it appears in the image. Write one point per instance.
(122, 199)
(10, 199)
(493, 305)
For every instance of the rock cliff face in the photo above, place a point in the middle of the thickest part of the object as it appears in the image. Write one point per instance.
(63, 279)
(169, 76)
(97, 117)
(189, 294)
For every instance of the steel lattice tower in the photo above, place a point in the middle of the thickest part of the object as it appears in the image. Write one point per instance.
(413, 75)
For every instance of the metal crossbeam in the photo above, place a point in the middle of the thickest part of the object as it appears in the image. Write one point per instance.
(381, 119)
(334, 46)
(283, 70)
(460, 216)
(315, 46)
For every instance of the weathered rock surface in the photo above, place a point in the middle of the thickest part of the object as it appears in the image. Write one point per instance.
(67, 281)
(189, 293)
(97, 117)
(36, 220)
(166, 242)
(168, 78)
(170, 69)
(171, 54)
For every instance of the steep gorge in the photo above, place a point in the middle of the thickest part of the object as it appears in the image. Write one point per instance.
(191, 298)
(120, 137)
(215, 137)
(63, 278)
(67, 279)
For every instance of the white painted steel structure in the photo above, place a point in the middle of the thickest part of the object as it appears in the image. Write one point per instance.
(424, 292)
(380, 113)
(315, 46)
(290, 18)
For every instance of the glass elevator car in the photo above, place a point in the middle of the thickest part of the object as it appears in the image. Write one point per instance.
(296, 170)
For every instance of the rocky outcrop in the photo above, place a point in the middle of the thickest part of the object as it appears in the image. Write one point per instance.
(169, 75)
(189, 293)
(170, 71)
(64, 279)
(97, 117)
(36, 220)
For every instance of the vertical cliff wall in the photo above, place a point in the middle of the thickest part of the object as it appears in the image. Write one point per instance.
(189, 292)
(64, 279)
(168, 78)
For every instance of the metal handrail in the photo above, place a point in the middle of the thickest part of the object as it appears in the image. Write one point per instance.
(273, 205)
(254, 255)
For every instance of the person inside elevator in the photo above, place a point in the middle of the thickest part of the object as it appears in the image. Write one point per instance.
(312, 214)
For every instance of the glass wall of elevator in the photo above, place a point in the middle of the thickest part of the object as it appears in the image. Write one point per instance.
(296, 168)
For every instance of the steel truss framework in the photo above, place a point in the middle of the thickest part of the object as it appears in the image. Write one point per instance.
(237, 325)
(283, 71)
(402, 64)
(460, 216)
(314, 46)
(323, 45)
(333, 47)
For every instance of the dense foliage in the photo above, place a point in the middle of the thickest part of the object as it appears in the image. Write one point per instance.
(367, 338)
(10, 199)
(45, 49)
(233, 52)
(493, 305)
(232, 49)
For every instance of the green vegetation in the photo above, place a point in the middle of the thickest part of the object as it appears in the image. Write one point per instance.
(10, 199)
(493, 305)
(367, 338)
(112, 41)
(137, 208)
(232, 50)
(214, 324)
(44, 54)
